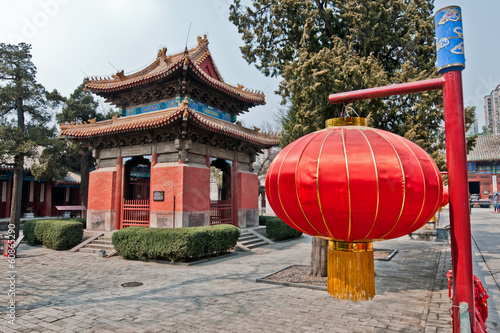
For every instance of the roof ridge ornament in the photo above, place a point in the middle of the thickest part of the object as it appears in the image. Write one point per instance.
(202, 41)
(162, 53)
(119, 76)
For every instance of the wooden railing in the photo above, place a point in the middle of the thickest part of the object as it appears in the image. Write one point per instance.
(220, 212)
(135, 213)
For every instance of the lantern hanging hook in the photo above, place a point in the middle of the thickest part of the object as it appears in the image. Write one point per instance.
(346, 109)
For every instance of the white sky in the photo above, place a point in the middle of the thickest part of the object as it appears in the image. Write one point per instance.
(71, 36)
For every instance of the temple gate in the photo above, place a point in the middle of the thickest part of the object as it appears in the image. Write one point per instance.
(177, 119)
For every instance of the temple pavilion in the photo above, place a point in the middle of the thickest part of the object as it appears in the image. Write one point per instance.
(177, 119)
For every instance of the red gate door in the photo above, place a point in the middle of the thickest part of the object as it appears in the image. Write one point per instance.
(220, 212)
(135, 213)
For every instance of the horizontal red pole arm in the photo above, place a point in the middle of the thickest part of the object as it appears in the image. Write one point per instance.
(395, 89)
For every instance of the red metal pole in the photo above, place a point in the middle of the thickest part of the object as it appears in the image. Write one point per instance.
(234, 194)
(118, 191)
(460, 228)
(396, 89)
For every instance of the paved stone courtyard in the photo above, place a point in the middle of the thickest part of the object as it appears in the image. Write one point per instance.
(79, 292)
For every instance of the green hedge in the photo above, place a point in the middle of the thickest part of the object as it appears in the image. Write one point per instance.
(29, 232)
(177, 244)
(278, 230)
(83, 221)
(263, 219)
(55, 234)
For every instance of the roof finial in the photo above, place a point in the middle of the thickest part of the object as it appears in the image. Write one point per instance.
(202, 40)
(119, 76)
(162, 52)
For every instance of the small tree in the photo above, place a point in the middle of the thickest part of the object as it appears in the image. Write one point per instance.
(24, 116)
(81, 106)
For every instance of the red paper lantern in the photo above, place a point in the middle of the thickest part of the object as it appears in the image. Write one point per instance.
(354, 184)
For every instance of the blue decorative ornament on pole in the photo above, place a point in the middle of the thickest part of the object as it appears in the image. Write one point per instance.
(449, 39)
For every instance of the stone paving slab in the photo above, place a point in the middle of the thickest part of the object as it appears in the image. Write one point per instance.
(80, 292)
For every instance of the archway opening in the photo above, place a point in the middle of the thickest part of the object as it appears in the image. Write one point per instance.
(220, 197)
(136, 187)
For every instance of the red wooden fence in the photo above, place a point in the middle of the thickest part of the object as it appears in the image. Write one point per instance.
(220, 212)
(135, 213)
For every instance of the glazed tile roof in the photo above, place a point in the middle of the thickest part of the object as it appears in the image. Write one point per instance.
(167, 65)
(163, 118)
(28, 161)
(70, 178)
(487, 148)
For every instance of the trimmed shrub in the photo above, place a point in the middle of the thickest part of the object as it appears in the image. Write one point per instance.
(279, 230)
(55, 234)
(82, 221)
(263, 219)
(63, 235)
(177, 244)
(41, 228)
(29, 232)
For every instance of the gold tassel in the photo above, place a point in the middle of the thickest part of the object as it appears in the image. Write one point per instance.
(351, 273)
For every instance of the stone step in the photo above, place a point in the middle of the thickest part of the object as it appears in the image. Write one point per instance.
(250, 238)
(246, 237)
(99, 246)
(89, 250)
(104, 238)
(253, 241)
(258, 244)
(100, 241)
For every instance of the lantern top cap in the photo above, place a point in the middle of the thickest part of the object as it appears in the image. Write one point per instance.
(346, 121)
(448, 7)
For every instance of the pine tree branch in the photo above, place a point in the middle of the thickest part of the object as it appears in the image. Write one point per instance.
(326, 19)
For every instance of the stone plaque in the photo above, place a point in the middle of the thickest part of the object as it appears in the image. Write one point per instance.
(158, 195)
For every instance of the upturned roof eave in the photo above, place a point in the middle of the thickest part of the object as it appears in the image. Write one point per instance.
(161, 118)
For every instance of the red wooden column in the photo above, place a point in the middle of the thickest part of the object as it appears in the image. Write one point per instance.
(118, 191)
(234, 193)
(48, 199)
(154, 159)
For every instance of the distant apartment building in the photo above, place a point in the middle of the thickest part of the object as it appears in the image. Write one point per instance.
(473, 130)
(492, 110)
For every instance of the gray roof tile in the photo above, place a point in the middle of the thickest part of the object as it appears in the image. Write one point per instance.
(487, 149)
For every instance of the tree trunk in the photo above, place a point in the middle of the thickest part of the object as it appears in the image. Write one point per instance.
(319, 257)
(84, 173)
(17, 187)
